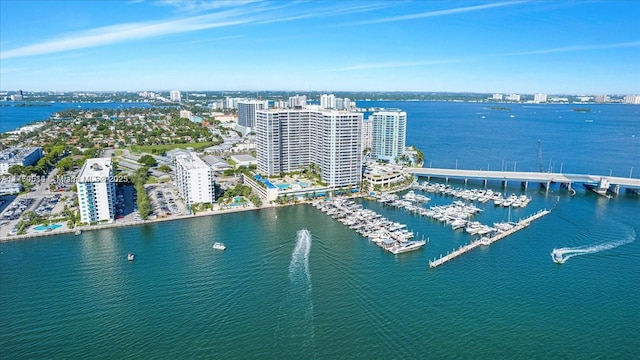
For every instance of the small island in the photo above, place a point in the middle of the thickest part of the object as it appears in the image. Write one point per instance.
(500, 108)
(581, 109)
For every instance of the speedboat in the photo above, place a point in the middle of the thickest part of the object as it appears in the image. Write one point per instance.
(131, 256)
(409, 246)
(219, 246)
(557, 257)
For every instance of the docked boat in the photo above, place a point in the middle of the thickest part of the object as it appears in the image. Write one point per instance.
(78, 232)
(406, 247)
(131, 256)
(557, 257)
(219, 246)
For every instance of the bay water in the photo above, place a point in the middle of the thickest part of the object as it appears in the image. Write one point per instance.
(327, 293)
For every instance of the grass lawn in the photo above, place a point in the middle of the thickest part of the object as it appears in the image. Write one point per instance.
(158, 149)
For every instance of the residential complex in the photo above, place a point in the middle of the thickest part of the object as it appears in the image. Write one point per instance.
(194, 179)
(291, 140)
(96, 191)
(174, 95)
(389, 134)
(540, 98)
(18, 156)
(247, 112)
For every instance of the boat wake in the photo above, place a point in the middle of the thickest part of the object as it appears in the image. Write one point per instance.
(561, 255)
(295, 320)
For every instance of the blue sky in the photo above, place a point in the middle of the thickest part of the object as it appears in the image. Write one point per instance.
(555, 47)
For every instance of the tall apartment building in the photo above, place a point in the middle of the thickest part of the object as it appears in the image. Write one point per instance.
(247, 111)
(174, 95)
(601, 98)
(298, 102)
(96, 191)
(632, 99)
(194, 179)
(539, 98)
(389, 134)
(18, 156)
(497, 97)
(367, 134)
(328, 101)
(513, 97)
(290, 140)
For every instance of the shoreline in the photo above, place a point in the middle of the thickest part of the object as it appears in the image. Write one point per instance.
(116, 224)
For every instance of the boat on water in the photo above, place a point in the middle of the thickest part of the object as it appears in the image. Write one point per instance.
(78, 232)
(557, 257)
(406, 247)
(131, 256)
(219, 246)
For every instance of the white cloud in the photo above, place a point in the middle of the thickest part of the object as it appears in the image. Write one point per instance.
(437, 13)
(575, 48)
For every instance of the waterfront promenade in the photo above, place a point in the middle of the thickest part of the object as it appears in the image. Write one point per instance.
(486, 241)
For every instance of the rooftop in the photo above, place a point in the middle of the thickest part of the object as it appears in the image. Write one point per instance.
(95, 170)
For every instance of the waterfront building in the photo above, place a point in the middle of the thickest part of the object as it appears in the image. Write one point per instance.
(513, 97)
(389, 134)
(96, 191)
(185, 114)
(291, 140)
(497, 97)
(174, 95)
(18, 156)
(602, 98)
(632, 99)
(247, 112)
(540, 98)
(194, 179)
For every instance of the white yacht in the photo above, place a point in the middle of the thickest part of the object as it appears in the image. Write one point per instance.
(131, 256)
(219, 246)
(557, 257)
(406, 247)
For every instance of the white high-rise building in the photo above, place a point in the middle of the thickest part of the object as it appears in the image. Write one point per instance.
(298, 102)
(367, 134)
(389, 134)
(247, 112)
(328, 101)
(632, 99)
(290, 140)
(96, 191)
(497, 97)
(174, 95)
(513, 97)
(194, 179)
(540, 98)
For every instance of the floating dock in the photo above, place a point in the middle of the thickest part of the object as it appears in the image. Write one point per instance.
(486, 241)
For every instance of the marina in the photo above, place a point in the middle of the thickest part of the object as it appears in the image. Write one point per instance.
(486, 241)
(390, 236)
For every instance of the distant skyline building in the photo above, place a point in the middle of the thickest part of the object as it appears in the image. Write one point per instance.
(601, 98)
(175, 95)
(194, 179)
(298, 102)
(96, 191)
(540, 98)
(247, 112)
(367, 134)
(513, 97)
(328, 101)
(292, 139)
(497, 97)
(389, 134)
(632, 99)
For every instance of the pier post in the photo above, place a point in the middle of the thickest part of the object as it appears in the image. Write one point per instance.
(616, 189)
(548, 185)
(525, 184)
(504, 184)
(465, 182)
(485, 183)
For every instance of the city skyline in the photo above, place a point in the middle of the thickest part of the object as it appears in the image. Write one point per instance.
(477, 46)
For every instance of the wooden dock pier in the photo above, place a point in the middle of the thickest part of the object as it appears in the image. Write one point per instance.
(488, 240)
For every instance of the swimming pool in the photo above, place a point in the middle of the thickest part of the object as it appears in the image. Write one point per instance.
(47, 227)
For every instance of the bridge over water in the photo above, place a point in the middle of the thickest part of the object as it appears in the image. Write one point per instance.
(600, 183)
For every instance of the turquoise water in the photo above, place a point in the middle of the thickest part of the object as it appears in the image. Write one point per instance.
(278, 293)
(47, 227)
(283, 186)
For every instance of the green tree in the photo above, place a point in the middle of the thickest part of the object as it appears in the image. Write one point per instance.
(148, 161)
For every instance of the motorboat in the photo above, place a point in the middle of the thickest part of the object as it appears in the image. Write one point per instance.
(557, 257)
(405, 247)
(131, 256)
(219, 246)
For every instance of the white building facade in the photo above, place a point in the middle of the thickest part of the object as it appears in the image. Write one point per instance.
(174, 95)
(389, 134)
(539, 98)
(290, 140)
(96, 191)
(194, 179)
